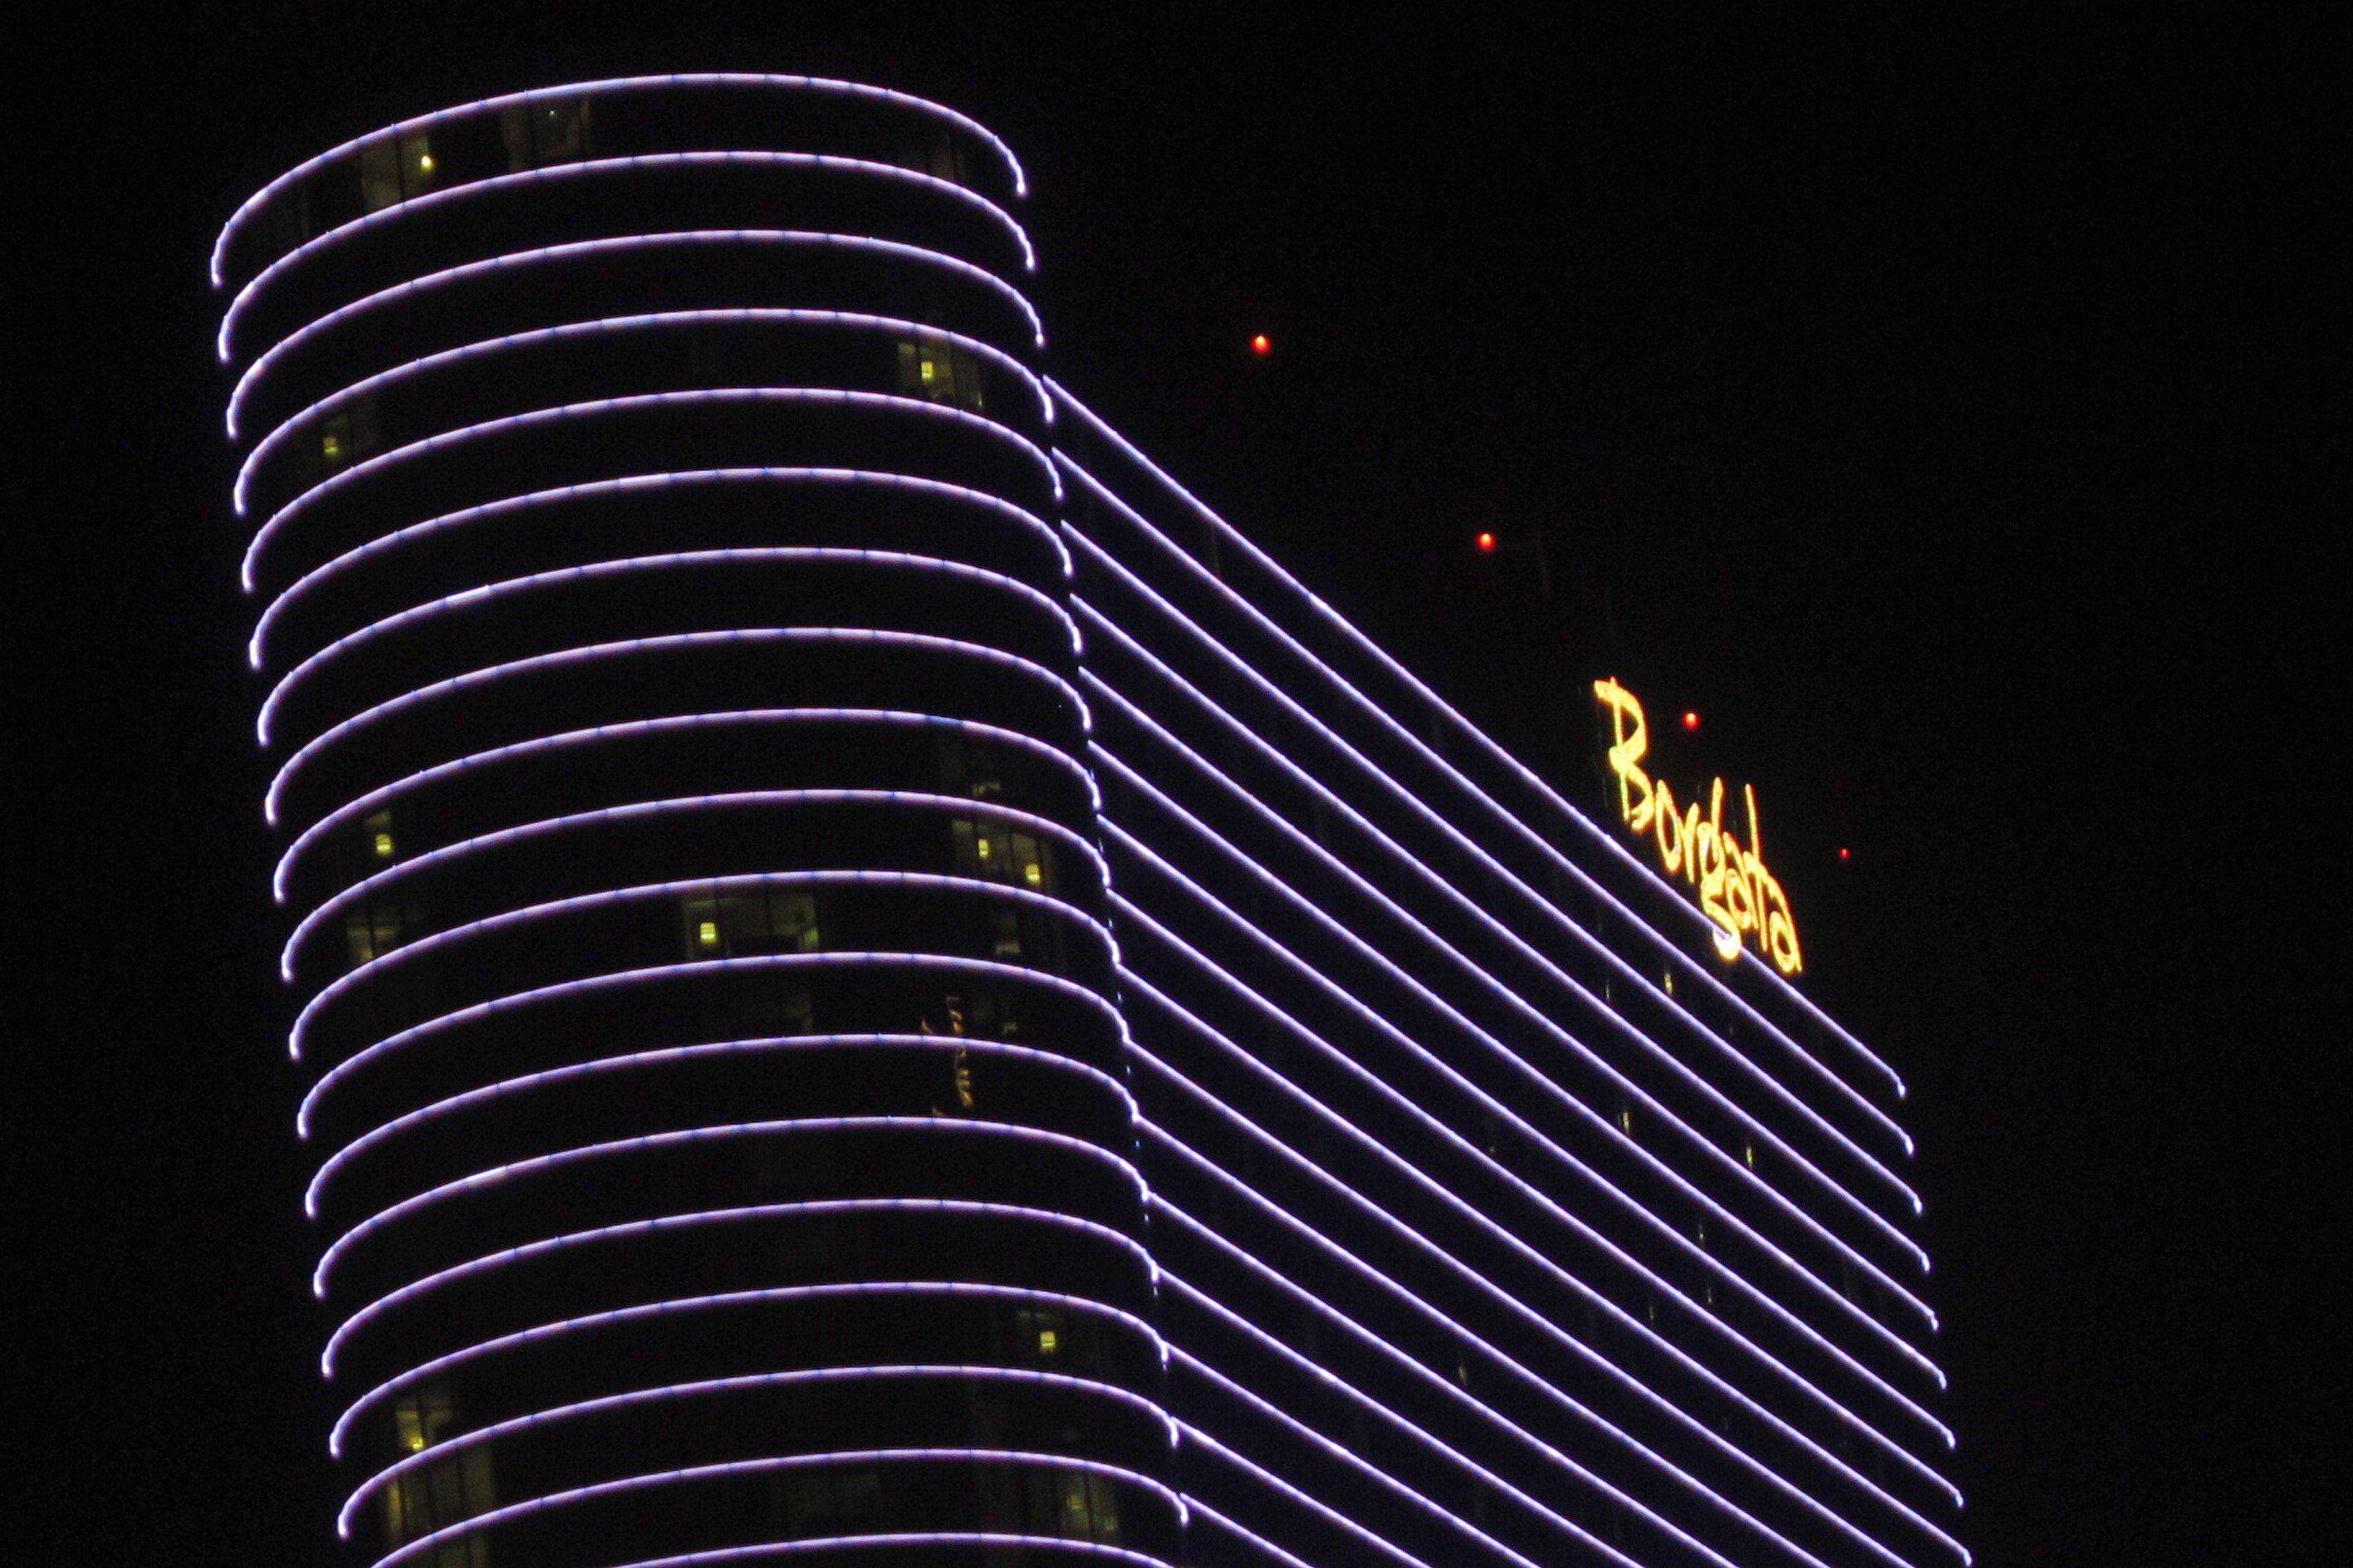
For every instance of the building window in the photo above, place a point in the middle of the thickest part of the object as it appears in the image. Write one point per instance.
(538, 134)
(993, 851)
(347, 435)
(395, 168)
(935, 369)
(437, 1495)
(737, 925)
(830, 1503)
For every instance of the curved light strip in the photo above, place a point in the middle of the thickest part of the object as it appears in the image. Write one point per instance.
(617, 978)
(308, 166)
(1435, 819)
(1681, 1244)
(1610, 1135)
(664, 1223)
(1584, 1356)
(981, 1538)
(468, 597)
(1609, 844)
(488, 673)
(369, 885)
(1389, 1286)
(1284, 1418)
(1743, 1174)
(291, 425)
(1454, 897)
(921, 407)
(633, 483)
(891, 717)
(634, 1060)
(759, 1380)
(935, 880)
(591, 167)
(917, 1288)
(1567, 1218)
(262, 364)
(687, 1473)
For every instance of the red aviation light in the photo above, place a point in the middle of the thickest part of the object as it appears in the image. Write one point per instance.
(1487, 543)
(1690, 721)
(1845, 854)
(1259, 345)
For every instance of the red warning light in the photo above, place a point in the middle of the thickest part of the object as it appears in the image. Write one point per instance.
(1487, 543)
(1690, 721)
(1845, 854)
(1259, 345)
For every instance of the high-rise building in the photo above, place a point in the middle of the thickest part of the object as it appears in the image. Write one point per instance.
(879, 984)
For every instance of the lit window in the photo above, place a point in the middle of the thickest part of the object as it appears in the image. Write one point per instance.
(938, 370)
(1032, 874)
(1048, 1341)
(742, 924)
(384, 846)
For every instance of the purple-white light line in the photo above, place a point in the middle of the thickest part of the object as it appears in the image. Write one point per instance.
(738, 635)
(891, 717)
(823, 85)
(667, 1222)
(625, 977)
(633, 484)
(263, 362)
(918, 407)
(915, 799)
(466, 598)
(1200, 1438)
(587, 167)
(1024, 1544)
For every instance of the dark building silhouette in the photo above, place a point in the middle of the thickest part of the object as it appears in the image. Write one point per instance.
(880, 985)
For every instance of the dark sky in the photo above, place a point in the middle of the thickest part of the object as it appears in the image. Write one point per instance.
(1930, 406)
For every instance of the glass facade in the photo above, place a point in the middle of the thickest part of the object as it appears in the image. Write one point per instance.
(877, 984)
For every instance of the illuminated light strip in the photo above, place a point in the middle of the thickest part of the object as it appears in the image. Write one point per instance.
(888, 718)
(1442, 1515)
(762, 1380)
(311, 166)
(913, 1287)
(261, 365)
(779, 1043)
(434, 1026)
(1698, 972)
(1438, 884)
(829, 161)
(488, 673)
(481, 594)
(1195, 1507)
(1200, 1438)
(526, 914)
(1680, 1244)
(920, 407)
(369, 885)
(1612, 1133)
(1431, 816)
(1426, 1438)
(1388, 1093)
(984, 1538)
(290, 427)
(632, 484)
(665, 1223)
(1584, 1356)
(689, 1473)
(1390, 1286)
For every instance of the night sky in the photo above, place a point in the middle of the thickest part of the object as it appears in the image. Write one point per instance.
(1930, 407)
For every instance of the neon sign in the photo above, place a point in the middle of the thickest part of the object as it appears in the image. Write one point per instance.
(1736, 891)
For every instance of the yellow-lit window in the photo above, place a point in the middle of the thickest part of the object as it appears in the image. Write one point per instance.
(732, 925)
(937, 369)
(393, 168)
(437, 1495)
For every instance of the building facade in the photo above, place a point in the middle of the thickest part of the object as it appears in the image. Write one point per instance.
(878, 985)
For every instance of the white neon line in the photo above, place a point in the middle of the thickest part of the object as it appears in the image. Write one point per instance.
(775, 1293)
(1196, 1507)
(466, 1015)
(665, 1223)
(590, 571)
(745, 634)
(262, 364)
(1610, 1131)
(447, 1533)
(1200, 1437)
(1680, 1244)
(524, 915)
(978, 1372)
(1421, 871)
(914, 799)
(884, 717)
(921, 408)
(832, 163)
(311, 166)
(777, 1043)
(608, 325)
(1569, 1220)
(1583, 1354)
(836, 1543)
(1577, 818)
(535, 499)
(1389, 1286)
